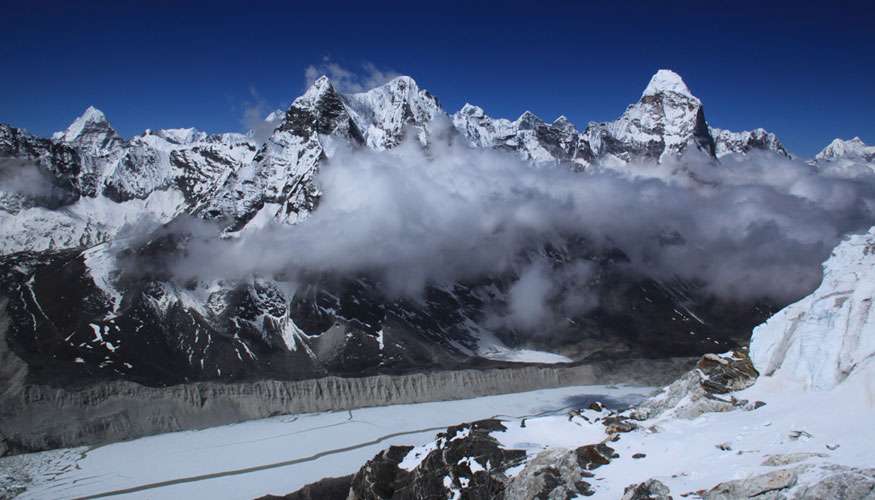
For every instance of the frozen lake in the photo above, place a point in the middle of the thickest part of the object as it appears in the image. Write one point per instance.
(275, 455)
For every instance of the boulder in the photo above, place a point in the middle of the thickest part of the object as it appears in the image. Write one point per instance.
(593, 456)
(552, 474)
(725, 373)
(790, 458)
(648, 490)
(846, 484)
(756, 486)
(701, 390)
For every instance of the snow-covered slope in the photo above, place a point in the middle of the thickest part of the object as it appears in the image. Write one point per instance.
(728, 142)
(529, 136)
(828, 336)
(383, 113)
(103, 182)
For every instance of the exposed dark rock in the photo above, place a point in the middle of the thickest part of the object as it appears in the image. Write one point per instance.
(648, 490)
(330, 488)
(616, 424)
(593, 456)
(723, 374)
(380, 477)
(449, 467)
(700, 390)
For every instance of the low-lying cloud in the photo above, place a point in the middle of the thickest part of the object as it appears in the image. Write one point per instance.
(746, 228)
(31, 184)
(253, 119)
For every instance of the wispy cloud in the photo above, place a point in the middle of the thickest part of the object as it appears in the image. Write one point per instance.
(255, 110)
(344, 79)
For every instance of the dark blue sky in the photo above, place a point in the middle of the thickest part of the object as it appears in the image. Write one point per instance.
(804, 72)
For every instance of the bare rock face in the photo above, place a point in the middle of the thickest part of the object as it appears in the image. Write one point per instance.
(648, 490)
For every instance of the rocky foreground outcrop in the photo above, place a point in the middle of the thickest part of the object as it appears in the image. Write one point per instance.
(472, 461)
(702, 390)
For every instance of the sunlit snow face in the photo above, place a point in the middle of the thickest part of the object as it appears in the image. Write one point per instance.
(748, 227)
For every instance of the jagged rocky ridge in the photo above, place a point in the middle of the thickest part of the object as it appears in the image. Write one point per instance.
(76, 318)
(813, 362)
(664, 124)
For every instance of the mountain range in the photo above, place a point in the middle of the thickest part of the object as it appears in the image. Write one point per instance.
(78, 313)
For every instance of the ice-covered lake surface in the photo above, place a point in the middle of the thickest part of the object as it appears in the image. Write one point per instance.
(275, 455)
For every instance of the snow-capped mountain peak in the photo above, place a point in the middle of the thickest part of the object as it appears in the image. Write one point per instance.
(563, 122)
(666, 80)
(384, 112)
(846, 158)
(471, 110)
(662, 124)
(840, 148)
(315, 92)
(528, 121)
(181, 135)
(275, 116)
(728, 142)
(90, 130)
